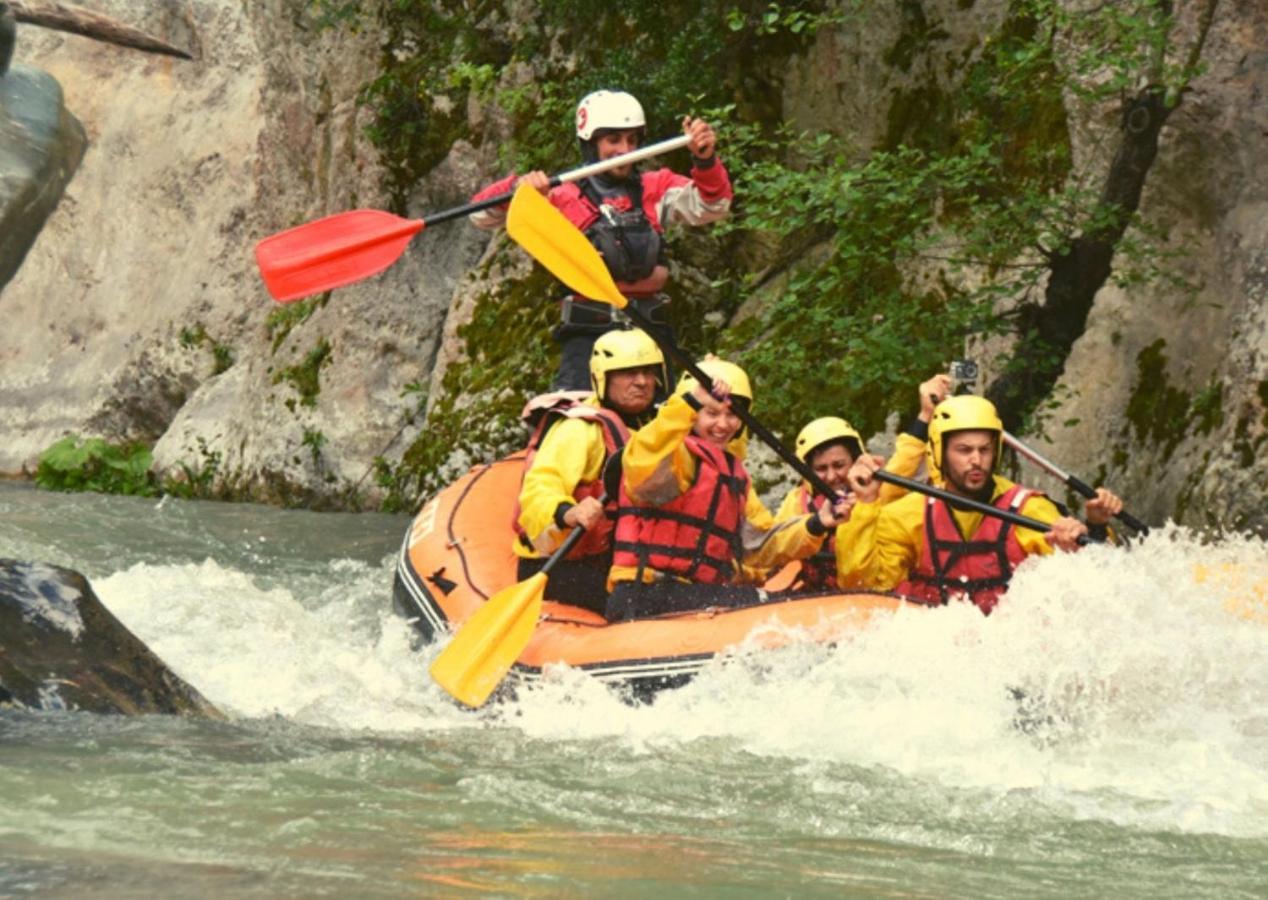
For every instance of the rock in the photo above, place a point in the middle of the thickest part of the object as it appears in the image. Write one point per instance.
(1165, 397)
(164, 333)
(60, 649)
(41, 145)
(7, 32)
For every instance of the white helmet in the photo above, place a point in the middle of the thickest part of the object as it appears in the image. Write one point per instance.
(608, 109)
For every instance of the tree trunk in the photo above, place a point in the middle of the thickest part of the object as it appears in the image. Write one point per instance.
(1048, 332)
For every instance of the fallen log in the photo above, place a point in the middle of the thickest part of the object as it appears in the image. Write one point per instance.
(77, 20)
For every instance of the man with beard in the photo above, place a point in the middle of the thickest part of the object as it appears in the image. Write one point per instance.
(925, 549)
(624, 213)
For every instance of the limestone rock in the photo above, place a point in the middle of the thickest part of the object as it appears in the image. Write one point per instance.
(1165, 397)
(60, 649)
(163, 331)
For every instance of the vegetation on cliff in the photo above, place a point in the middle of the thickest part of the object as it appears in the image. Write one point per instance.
(858, 269)
(848, 272)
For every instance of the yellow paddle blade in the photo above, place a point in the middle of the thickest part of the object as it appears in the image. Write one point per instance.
(557, 244)
(488, 643)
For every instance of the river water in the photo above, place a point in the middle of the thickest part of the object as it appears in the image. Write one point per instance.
(898, 763)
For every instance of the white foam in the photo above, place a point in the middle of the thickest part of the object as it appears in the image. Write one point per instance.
(1150, 694)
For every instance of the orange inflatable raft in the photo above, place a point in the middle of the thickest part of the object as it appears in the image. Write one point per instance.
(457, 554)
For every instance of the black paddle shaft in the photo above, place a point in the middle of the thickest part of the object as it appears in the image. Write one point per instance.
(569, 542)
(1072, 482)
(1123, 516)
(468, 208)
(594, 168)
(965, 503)
(744, 415)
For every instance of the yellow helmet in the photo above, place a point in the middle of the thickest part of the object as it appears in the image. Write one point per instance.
(824, 430)
(966, 412)
(729, 372)
(623, 349)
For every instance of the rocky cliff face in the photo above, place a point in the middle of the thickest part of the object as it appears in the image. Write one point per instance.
(1166, 395)
(138, 313)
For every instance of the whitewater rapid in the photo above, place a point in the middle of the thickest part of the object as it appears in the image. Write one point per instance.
(1143, 678)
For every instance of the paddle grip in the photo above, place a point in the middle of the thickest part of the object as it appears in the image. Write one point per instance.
(1082, 487)
(569, 542)
(965, 503)
(769, 439)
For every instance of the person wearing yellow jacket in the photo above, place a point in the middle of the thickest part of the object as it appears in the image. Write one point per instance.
(688, 515)
(830, 446)
(563, 479)
(929, 551)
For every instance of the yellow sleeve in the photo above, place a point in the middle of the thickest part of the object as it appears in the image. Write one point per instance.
(656, 465)
(769, 544)
(909, 453)
(571, 453)
(880, 544)
(1043, 510)
(791, 507)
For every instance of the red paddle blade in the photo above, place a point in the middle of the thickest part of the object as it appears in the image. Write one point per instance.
(331, 252)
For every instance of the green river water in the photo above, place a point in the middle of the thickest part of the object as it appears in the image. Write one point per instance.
(890, 765)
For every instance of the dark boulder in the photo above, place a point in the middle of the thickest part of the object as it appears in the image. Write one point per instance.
(41, 145)
(7, 35)
(61, 649)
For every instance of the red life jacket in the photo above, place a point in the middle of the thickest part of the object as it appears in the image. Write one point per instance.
(544, 412)
(978, 569)
(695, 536)
(818, 572)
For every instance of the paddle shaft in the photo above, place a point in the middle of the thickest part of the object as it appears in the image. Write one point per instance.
(965, 503)
(744, 415)
(1075, 484)
(586, 171)
(569, 542)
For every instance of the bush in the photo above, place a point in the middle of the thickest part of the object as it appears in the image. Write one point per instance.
(75, 464)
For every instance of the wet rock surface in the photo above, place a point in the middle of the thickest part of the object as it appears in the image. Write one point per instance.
(41, 145)
(61, 649)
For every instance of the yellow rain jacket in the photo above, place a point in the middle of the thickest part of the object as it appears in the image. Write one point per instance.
(882, 542)
(657, 468)
(571, 453)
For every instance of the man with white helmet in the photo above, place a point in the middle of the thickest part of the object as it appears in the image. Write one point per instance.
(830, 446)
(572, 442)
(927, 550)
(691, 531)
(624, 212)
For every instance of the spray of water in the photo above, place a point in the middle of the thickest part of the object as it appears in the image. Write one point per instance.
(1123, 686)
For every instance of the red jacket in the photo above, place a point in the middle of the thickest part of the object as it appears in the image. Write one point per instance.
(695, 536)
